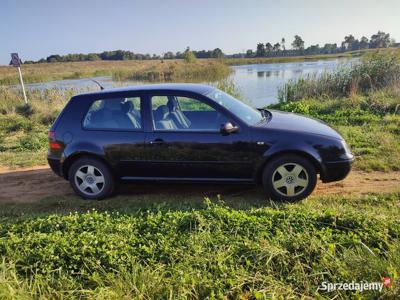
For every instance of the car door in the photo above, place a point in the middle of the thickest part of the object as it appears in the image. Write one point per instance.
(115, 125)
(186, 142)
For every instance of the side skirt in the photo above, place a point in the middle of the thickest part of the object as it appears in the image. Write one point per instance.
(190, 179)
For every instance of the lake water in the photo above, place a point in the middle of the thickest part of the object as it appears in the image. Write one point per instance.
(258, 84)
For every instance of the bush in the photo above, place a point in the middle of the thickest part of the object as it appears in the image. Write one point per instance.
(189, 57)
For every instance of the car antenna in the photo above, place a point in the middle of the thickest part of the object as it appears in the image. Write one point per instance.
(96, 82)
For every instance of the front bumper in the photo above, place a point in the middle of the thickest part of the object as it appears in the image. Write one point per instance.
(336, 170)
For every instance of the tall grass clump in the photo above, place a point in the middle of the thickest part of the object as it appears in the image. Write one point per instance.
(190, 71)
(376, 71)
(23, 127)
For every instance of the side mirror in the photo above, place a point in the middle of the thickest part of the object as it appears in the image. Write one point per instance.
(228, 128)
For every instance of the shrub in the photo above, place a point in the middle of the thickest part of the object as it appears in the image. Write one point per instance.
(189, 56)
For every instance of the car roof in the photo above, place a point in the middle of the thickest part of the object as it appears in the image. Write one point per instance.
(179, 87)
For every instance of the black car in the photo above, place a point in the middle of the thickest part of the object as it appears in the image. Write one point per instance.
(190, 132)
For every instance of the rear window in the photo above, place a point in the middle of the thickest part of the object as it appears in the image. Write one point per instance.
(115, 113)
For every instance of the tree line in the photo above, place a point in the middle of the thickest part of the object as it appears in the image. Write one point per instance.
(128, 55)
(350, 43)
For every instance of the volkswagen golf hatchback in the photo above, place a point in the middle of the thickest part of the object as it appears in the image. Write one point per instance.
(190, 132)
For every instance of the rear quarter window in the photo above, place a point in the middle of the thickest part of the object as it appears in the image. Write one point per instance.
(114, 113)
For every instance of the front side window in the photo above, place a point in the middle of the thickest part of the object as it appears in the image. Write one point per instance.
(186, 114)
(115, 113)
(246, 113)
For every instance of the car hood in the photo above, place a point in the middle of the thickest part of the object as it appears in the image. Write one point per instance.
(295, 122)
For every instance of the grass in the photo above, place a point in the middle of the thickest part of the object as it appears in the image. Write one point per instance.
(369, 123)
(23, 129)
(150, 70)
(198, 71)
(378, 70)
(184, 247)
(286, 59)
(361, 102)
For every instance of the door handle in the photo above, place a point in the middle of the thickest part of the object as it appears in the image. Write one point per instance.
(157, 142)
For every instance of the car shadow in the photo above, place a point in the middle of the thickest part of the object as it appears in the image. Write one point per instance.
(33, 192)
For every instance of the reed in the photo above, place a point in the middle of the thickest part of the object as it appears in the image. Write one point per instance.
(376, 71)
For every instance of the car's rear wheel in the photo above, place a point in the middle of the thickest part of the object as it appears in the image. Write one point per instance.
(91, 178)
(289, 178)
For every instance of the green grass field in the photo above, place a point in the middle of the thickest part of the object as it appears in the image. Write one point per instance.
(188, 247)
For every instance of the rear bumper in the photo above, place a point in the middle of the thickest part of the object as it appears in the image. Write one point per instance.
(55, 166)
(336, 170)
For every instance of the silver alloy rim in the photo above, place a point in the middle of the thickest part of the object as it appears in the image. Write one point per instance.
(89, 180)
(290, 179)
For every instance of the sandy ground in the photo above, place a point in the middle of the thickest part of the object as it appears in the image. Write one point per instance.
(33, 184)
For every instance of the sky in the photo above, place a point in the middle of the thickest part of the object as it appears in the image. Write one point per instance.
(38, 28)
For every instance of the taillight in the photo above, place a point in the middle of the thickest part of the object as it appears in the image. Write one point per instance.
(53, 144)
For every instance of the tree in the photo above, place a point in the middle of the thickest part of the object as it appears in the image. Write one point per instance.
(283, 41)
(268, 47)
(169, 55)
(313, 49)
(249, 53)
(347, 44)
(217, 53)
(277, 47)
(260, 50)
(54, 58)
(298, 43)
(329, 48)
(92, 56)
(364, 43)
(380, 40)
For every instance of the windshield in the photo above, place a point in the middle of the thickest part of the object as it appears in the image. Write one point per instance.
(244, 112)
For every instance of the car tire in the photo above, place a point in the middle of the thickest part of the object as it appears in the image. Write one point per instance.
(91, 179)
(289, 178)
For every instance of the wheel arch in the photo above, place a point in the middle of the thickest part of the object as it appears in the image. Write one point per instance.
(314, 160)
(67, 163)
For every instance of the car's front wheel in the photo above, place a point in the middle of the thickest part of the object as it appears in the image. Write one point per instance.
(91, 178)
(289, 178)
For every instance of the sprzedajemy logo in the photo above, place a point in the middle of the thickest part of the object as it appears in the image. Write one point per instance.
(356, 286)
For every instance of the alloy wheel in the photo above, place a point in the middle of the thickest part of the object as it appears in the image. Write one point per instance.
(290, 179)
(89, 180)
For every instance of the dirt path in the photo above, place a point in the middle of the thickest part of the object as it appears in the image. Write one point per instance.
(33, 184)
